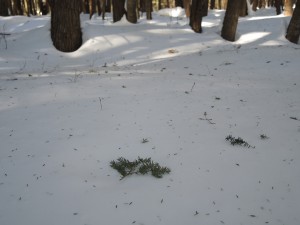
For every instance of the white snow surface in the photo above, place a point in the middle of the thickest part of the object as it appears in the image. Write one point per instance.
(65, 116)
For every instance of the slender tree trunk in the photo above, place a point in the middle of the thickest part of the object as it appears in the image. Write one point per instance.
(278, 6)
(293, 30)
(148, 5)
(288, 7)
(196, 15)
(65, 25)
(92, 7)
(131, 11)
(212, 4)
(231, 20)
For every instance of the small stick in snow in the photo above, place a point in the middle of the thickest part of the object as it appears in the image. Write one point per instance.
(205, 118)
(100, 102)
(193, 86)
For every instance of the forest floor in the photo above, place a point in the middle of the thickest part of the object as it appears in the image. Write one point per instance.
(153, 89)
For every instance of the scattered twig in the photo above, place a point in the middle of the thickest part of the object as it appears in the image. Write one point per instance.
(205, 118)
(193, 86)
(294, 118)
(100, 100)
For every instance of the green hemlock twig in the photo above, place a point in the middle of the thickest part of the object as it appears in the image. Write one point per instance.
(238, 141)
(139, 166)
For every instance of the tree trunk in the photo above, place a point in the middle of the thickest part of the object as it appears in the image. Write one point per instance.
(131, 11)
(254, 5)
(17, 7)
(196, 15)
(288, 7)
(243, 10)
(118, 10)
(65, 25)
(148, 5)
(92, 7)
(231, 20)
(179, 3)
(293, 30)
(187, 7)
(278, 6)
(212, 4)
(205, 8)
(3, 8)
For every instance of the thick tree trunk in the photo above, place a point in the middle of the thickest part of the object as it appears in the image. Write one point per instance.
(196, 15)
(231, 20)
(118, 10)
(65, 25)
(288, 7)
(3, 8)
(293, 30)
(131, 11)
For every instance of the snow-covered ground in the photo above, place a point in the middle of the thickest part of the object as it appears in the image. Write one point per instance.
(65, 116)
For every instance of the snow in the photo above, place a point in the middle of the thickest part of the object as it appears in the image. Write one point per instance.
(65, 116)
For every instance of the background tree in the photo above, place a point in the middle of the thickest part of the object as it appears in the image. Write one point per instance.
(148, 5)
(293, 30)
(288, 7)
(66, 32)
(187, 7)
(231, 19)
(196, 15)
(92, 7)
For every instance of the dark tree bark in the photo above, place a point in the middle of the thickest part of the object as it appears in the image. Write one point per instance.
(288, 7)
(179, 3)
(66, 32)
(4, 8)
(278, 5)
(204, 8)
(231, 20)
(196, 15)
(118, 10)
(148, 5)
(131, 11)
(212, 4)
(293, 30)
(254, 5)
(108, 6)
(243, 9)
(17, 7)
